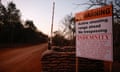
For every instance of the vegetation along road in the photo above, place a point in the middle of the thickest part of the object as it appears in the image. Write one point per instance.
(24, 59)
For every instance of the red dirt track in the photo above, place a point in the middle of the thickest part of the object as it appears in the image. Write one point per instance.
(25, 59)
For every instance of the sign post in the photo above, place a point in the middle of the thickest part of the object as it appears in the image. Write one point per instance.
(94, 37)
(77, 63)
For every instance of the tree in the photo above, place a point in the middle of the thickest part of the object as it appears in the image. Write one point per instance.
(13, 13)
(2, 13)
(10, 22)
(30, 24)
(12, 31)
(117, 11)
(59, 39)
(9, 14)
(94, 3)
(69, 26)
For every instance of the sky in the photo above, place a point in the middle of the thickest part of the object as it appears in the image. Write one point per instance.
(40, 11)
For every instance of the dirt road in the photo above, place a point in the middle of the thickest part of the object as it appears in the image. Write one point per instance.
(25, 59)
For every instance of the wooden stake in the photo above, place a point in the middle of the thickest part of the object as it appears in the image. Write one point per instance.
(108, 66)
(77, 64)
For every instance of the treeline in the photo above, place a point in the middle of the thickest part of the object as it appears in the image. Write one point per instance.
(14, 31)
(60, 40)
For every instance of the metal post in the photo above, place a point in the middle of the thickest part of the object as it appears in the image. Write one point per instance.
(52, 23)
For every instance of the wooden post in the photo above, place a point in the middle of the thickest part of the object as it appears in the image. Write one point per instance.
(107, 66)
(77, 64)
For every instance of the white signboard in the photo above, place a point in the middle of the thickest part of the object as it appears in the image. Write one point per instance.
(94, 38)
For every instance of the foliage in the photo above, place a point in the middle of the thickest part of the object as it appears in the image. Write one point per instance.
(60, 40)
(116, 11)
(66, 36)
(30, 24)
(12, 29)
(69, 26)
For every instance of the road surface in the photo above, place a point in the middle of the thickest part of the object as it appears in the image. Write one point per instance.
(25, 59)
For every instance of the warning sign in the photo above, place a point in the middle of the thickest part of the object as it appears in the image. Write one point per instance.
(94, 34)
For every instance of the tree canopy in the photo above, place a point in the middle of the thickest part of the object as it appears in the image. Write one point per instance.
(12, 29)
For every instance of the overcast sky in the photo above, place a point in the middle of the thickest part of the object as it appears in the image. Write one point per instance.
(40, 11)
